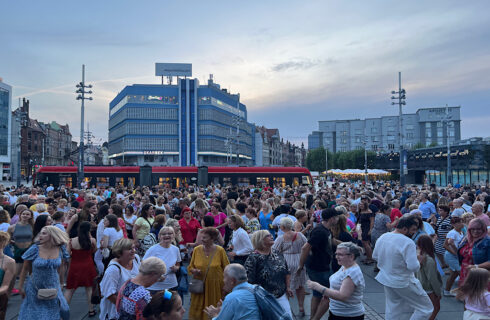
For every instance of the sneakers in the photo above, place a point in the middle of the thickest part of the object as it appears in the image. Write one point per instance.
(449, 294)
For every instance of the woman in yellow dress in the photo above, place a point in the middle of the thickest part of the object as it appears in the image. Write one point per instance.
(213, 284)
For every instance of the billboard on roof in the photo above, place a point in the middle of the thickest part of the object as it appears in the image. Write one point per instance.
(173, 69)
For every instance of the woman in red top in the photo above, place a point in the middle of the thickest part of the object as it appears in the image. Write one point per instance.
(189, 226)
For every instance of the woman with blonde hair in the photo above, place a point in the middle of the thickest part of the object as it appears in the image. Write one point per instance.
(230, 207)
(266, 217)
(43, 260)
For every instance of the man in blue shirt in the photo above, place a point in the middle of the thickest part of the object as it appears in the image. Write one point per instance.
(240, 303)
(428, 209)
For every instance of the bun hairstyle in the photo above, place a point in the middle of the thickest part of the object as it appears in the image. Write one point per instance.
(162, 301)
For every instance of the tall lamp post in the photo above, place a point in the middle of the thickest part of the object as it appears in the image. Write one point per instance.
(401, 102)
(81, 96)
(449, 174)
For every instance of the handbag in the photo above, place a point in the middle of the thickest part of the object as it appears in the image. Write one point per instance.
(197, 285)
(47, 294)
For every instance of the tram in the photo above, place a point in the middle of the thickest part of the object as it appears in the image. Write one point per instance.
(176, 177)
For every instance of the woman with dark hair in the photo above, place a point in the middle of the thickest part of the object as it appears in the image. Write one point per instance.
(428, 275)
(87, 214)
(129, 219)
(451, 244)
(111, 234)
(41, 221)
(142, 226)
(82, 271)
(164, 305)
(442, 228)
(117, 210)
(219, 218)
(366, 219)
(241, 246)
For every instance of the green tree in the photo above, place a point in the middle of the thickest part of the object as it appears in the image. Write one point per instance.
(315, 159)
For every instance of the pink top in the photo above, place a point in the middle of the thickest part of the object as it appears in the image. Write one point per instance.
(219, 219)
(478, 306)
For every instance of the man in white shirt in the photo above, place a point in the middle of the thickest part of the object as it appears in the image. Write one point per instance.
(397, 258)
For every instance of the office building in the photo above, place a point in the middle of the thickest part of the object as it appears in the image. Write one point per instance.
(5, 130)
(426, 127)
(183, 124)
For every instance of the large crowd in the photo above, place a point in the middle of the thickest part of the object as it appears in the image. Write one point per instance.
(242, 252)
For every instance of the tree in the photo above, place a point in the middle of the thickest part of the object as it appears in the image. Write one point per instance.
(315, 159)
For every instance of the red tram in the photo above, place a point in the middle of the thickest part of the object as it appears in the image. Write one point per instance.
(174, 176)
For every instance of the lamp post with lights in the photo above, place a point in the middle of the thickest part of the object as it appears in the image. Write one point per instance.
(81, 96)
(401, 102)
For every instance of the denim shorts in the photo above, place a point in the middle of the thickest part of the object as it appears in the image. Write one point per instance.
(322, 277)
(452, 261)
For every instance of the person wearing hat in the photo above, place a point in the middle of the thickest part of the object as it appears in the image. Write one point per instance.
(318, 262)
(189, 226)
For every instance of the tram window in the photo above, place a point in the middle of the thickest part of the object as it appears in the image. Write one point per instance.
(281, 181)
(163, 180)
(305, 180)
(131, 181)
(262, 180)
(66, 181)
(102, 182)
(226, 181)
(295, 181)
(177, 182)
(120, 181)
(244, 182)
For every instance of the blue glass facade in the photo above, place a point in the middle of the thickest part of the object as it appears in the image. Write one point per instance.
(185, 125)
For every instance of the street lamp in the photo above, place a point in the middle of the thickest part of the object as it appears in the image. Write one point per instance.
(81, 96)
(401, 102)
(449, 174)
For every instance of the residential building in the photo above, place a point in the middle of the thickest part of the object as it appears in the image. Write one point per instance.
(426, 127)
(5, 130)
(57, 144)
(183, 124)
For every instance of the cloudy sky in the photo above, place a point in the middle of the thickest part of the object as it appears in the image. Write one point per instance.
(293, 62)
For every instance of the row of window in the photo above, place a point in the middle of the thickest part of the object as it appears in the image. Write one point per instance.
(144, 113)
(147, 128)
(210, 114)
(222, 105)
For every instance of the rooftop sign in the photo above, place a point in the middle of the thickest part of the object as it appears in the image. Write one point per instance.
(173, 69)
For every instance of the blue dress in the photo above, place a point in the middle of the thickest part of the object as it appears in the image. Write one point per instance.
(44, 276)
(266, 221)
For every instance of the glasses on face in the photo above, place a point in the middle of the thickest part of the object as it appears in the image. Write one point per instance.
(342, 254)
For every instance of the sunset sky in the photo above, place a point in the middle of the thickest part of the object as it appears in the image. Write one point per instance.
(293, 62)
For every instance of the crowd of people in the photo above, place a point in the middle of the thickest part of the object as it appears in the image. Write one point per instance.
(136, 251)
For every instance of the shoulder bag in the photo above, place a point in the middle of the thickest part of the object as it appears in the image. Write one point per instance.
(197, 285)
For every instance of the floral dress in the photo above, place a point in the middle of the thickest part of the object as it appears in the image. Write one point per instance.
(269, 271)
(252, 225)
(44, 276)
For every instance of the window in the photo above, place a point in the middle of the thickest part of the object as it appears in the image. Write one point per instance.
(409, 135)
(391, 146)
(374, 130)
(343, 141)
(428, 134)
(374, 147)
(439, 132)
(358, 139)
(427, 125)
(439, 124)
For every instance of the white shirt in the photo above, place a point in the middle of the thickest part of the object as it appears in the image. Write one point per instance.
(113, 235)
(170, 256)
(397, 260)
(242, 245)
(112, 281)
(456, 236)
(130, 220)
(353, 306)
(100, 232)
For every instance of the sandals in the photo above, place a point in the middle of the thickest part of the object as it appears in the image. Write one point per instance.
(92, 313)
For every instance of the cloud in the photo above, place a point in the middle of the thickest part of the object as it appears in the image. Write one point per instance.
(296, 64)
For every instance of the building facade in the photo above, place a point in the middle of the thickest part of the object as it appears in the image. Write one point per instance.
(5, 130)
(187, 124)
(426, 127)
(57, 144)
